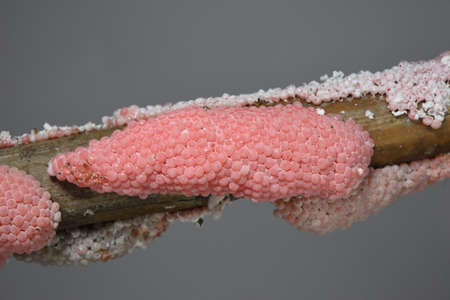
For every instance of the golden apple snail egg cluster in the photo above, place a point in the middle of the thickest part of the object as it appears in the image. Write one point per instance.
(381, 187)
(28, 218)
(263, 153)
(249, 152)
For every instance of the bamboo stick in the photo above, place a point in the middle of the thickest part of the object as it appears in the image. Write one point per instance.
(397, 140)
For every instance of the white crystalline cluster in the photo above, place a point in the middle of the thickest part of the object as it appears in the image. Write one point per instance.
(369, 114)
(320, 111)
(420, 90)
(102, 242)
(99, 242)
(445, 58)
(5, 139)
(48, 132)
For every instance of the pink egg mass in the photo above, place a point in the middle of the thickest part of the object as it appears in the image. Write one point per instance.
(262, 153)
(28, 218)
(313, 167)
(379, 189)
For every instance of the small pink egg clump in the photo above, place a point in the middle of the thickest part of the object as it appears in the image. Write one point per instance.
(381, 188)
(28, 218)
(262, 153)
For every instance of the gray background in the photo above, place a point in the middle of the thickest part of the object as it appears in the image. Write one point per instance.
(71, 62)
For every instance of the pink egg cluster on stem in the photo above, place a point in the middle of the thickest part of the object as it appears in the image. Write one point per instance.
(28, 218)
(263, 153)
(380, 188)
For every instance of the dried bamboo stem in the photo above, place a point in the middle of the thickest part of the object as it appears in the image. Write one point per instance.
(397, 140)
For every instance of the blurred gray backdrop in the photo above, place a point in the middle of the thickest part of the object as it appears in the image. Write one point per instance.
(69, 62)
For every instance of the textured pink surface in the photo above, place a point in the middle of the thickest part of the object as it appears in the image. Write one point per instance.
(262, 153)
(28, 218)
(378, 190)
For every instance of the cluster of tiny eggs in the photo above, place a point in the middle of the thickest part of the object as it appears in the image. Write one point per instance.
(28, 218)
(262, 153)
(382, 187)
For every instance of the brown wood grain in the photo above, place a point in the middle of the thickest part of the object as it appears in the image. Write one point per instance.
(397, 140)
